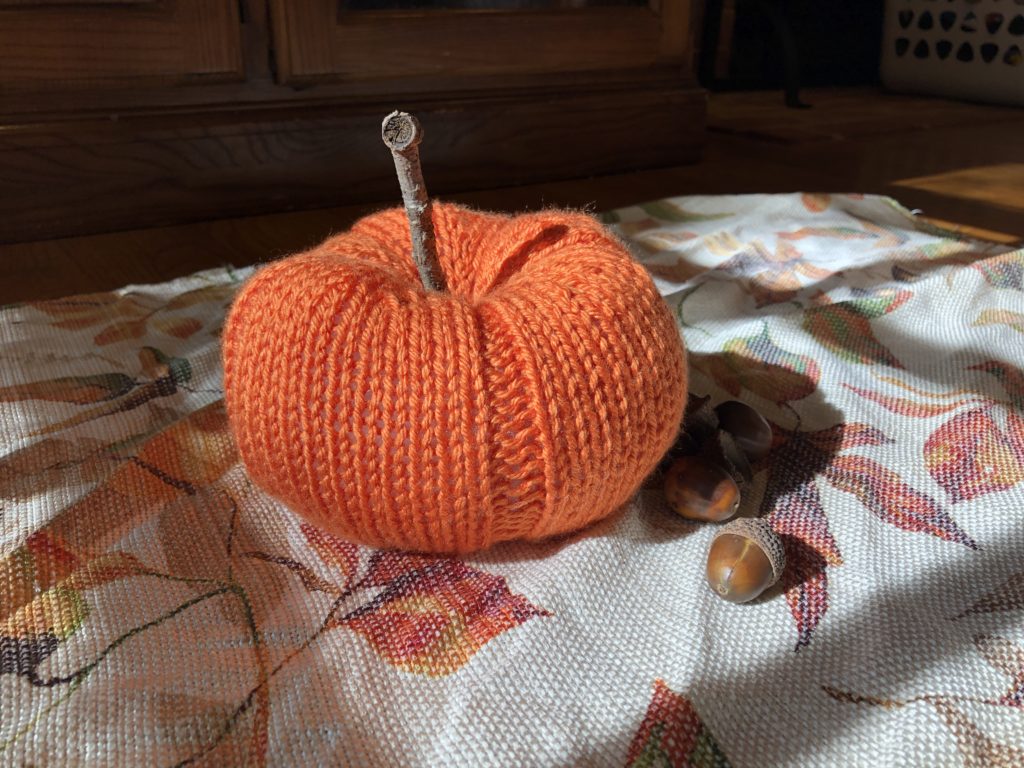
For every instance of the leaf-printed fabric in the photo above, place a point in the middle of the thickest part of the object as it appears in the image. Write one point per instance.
(158, 609)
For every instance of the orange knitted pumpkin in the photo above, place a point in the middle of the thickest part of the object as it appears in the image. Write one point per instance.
(529, 400)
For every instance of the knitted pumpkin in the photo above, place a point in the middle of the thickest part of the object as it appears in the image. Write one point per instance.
(529, 400)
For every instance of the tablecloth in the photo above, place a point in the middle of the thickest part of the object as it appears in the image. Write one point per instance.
(157, 609)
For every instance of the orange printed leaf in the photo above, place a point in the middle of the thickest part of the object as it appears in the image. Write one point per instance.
(816, 203)
(907, 407)
(835, 233)
(122, 330)
(679, 271)
(673, 735)
(78, 390)
(1009, 318)
(970, 455)
(1006, 657)
(434, 614)
(179, 327)
(975, 747)
(91, 309)
(208, 293)
(891, 500)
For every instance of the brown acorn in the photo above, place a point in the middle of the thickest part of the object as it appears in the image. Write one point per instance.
(746, 557)
(749, 429)
(698, 489)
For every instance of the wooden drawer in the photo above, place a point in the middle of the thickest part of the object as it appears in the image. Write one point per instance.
(50, 46)
(324, 41)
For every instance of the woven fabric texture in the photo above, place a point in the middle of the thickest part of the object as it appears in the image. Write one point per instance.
(529, 400)
(158, 608)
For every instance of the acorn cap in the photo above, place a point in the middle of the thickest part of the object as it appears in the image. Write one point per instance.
(761, 533)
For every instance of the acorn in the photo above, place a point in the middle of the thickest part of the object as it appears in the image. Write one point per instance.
(699, 489)
(746, 557)
(748, 428)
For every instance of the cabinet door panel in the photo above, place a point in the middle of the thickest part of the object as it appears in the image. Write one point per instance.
(324, 40)
(45, 46)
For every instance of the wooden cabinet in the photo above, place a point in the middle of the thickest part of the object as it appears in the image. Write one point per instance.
(103, 44)
(117, 114)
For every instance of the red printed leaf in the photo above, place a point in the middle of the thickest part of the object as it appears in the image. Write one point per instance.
(883, 492)
(672, 735)
(434, 614)
(798, 513)
(805, 582)
(1011, 378)
(1003, 271)
(970, 455)
(840, 437)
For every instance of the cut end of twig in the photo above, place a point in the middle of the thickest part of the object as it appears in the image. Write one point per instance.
(402, 134)
(400, 130)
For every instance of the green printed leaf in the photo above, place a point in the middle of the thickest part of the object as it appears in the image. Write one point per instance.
(845, 328)
(668, 211)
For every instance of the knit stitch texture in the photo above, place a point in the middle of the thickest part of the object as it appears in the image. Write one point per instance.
(529, 401)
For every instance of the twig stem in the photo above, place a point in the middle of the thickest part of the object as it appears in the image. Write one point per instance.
(402, 134)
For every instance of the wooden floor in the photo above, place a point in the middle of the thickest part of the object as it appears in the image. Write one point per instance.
(957, 162)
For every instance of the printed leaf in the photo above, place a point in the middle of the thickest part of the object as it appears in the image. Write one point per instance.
(907, 407)
(672, 735)
(835, 233)
(759, 365)
(1006, 657)
(1011, 378)
(667, 211)
(57, 612)
(79, 390)
(176, 371)
(970, 456)
(816, 203)
(91, 309)
(122, 330)
(680, 271)
(840, 437)
(309, 579)
(805, 582)
(1013, 320)
(179, 327)
(176, 462)
(845, 328)
(434, 614)
(340, 555)
(975, 747)
(891, 500)
(1008, 596)
(208, 293)
(1003, 271)
(798, 513)
(772, 278)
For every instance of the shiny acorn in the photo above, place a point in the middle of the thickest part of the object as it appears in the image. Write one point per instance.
(748, 428)
(698, 489)
(746, 557)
